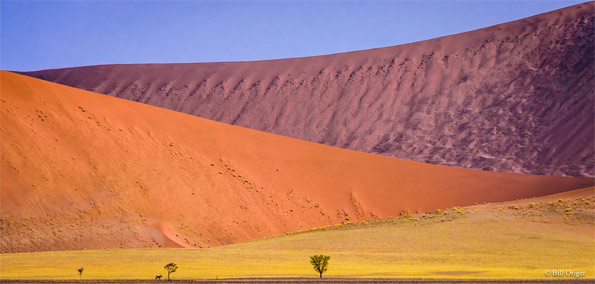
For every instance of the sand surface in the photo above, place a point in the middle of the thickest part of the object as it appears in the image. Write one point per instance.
(82, 170)
(516, 97)
(494, 241)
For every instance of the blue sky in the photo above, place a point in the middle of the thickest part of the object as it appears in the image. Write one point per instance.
(52, 34)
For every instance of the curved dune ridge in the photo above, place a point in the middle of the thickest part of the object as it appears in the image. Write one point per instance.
(84, 170)
(515, 97)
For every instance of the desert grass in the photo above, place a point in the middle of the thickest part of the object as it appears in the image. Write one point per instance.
(521, 241)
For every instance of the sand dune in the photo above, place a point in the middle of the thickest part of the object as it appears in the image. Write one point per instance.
(84, 170)
(511, 241)
(516, 97)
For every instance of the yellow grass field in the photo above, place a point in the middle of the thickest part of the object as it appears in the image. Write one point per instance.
(513, 240)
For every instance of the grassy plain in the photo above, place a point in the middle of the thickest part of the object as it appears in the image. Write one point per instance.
(514, 240)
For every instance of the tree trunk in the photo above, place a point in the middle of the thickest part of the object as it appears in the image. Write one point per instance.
(168, 276)
(320, 274)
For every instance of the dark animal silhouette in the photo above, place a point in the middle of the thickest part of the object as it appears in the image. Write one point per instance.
(158, 276)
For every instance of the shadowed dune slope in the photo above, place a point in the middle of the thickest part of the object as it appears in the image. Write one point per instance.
(516, 97)
(84, 170)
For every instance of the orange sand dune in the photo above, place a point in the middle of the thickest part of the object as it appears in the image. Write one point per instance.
(572, 195)
(84, 170)
(515, 97)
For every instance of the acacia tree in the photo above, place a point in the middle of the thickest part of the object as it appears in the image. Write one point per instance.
(171, 268)
(320, 263)
(80, 270)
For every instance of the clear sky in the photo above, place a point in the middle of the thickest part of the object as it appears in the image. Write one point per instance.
(52, 34)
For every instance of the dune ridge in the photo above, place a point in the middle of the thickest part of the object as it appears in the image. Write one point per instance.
(82, 170)
(515, 97)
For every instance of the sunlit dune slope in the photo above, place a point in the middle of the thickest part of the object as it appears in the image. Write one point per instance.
(84, 170)
(515, 97)
(521, 239)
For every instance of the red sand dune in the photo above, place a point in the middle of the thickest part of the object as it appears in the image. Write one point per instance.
(516, 97)
(84, 170)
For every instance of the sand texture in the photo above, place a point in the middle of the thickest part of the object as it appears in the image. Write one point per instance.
(82, 170)
(515, 97)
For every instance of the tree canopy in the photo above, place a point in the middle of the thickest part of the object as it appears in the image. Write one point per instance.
(171, 268)
(320, 263)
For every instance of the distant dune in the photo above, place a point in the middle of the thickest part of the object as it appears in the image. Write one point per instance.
(516, 97)
(84, 170)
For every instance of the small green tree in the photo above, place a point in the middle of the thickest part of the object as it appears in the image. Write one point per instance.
(80, 270)
(171, 268)
(320, 263)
